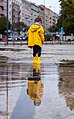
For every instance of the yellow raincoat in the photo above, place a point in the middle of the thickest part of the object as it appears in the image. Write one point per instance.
(35, 35)
(35, 90)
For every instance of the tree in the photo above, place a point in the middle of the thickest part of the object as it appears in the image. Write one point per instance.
(20, 26)
(3, 24)
(66, 19)
(53, 28)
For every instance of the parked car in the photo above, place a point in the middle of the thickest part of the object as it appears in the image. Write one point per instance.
(10, 38)
(25, 37)
(17, 38)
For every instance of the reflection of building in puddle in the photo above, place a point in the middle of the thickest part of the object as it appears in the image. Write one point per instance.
(13, 73)
(12, 78)
(35, 87)
(66, 83)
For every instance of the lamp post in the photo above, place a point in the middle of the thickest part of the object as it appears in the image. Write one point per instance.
(62, 28)
(44, 12)
(45, 19)
(7, 22)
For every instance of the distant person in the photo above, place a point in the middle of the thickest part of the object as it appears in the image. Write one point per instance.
(35, 39)
(4, 38)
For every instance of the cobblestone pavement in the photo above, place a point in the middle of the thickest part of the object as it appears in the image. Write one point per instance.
(28, 94)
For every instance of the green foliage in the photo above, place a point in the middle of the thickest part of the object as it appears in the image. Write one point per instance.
(3, 24)
(20, 26)
(66, 18)
(47, 37)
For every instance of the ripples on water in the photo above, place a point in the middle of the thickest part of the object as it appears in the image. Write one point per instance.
(25, 94)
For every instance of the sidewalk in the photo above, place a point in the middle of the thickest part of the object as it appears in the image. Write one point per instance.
(25, 43)
(48, 50)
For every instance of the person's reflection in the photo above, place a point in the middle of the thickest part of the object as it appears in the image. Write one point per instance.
(66, 83)
(36, 68)
(35, 87)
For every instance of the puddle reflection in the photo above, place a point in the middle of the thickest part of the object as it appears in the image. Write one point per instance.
(11, 49)
(47, 92)
(12, 79)
(11, 71)
(30, 96)
(35, 85)
(66, 83)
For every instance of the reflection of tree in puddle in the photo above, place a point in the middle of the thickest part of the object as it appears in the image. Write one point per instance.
(35, 86)
(66, 83)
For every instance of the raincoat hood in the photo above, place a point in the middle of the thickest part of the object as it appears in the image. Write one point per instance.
(35, 27)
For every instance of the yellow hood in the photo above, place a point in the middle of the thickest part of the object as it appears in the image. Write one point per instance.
(34, 27)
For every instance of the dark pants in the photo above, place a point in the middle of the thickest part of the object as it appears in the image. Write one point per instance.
(36, 50)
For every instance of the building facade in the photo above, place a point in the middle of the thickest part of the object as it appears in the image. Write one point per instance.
(3, 7)
(34, 12)
(14, 11)
(25, 11)
(48, 16)
(53, 18)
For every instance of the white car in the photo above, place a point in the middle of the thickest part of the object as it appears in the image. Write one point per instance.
(10, 38)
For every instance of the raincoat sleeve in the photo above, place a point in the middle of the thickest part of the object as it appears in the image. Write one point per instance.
(30, 39)
(41, 34)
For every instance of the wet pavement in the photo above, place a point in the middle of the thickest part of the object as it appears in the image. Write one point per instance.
(28, 93)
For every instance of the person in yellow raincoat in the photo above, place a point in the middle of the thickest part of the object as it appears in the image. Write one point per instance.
(36, 39)
(35, 90)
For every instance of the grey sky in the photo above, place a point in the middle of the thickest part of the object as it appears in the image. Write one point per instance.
(52, 4)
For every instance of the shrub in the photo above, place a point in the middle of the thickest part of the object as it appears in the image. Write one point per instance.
(48, 37)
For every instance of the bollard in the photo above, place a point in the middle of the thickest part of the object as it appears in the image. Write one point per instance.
(4, 38)
(13, 41)
(20, 41)
(5, 42)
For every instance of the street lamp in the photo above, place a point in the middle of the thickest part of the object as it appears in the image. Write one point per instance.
(44, 12)
(7, 22)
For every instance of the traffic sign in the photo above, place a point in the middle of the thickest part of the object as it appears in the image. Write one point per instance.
(12, 32)
(61, 31)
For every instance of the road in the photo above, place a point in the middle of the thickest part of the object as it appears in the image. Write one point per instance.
(25, 94)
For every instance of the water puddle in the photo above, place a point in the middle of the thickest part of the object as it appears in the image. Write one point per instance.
(11, 49)
(38, 91)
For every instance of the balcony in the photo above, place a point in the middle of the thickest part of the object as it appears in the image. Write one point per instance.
(2, 12)
(2, 4)
(2, 7)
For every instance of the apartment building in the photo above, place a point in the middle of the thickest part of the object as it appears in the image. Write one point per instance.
(34, 12)
(3, 7)
(26, 12)
(42, 14)
(14, 11)
(53, 18)
(49, 17)
(45, 15)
